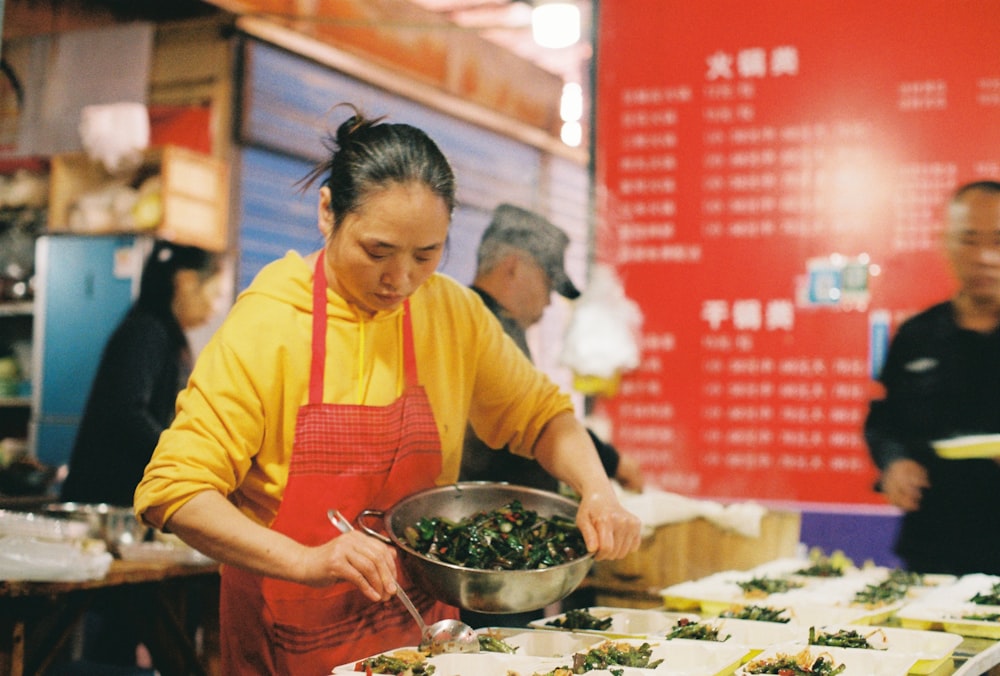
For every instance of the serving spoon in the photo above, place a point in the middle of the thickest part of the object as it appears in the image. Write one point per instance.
(444, 636)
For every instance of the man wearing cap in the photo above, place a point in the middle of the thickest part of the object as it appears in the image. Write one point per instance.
(519, 265)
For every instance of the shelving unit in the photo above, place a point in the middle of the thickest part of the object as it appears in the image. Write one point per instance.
(193, 194)
(15, 324)
(16, 308)
(20, 225)
(191, 190)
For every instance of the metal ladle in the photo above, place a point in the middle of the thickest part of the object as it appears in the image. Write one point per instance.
(444, 636)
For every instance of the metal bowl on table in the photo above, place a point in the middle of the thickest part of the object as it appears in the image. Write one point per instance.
(483, 591)
(115, 525)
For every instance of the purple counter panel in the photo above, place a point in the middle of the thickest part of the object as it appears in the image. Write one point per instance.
(862, 537)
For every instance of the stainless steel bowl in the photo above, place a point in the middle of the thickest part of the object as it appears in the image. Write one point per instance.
(484, 591)
(115, 525)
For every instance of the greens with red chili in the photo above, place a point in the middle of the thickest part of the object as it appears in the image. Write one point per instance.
(508, 538)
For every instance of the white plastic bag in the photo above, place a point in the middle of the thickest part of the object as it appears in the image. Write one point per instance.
(602, 340)
(30, 558)
(115, 134)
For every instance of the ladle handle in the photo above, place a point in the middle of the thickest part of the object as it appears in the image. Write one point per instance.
(412, 608)
(344, 526)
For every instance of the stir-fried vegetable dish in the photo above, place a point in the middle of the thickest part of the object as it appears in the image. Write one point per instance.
(990, 598)
(760, 613)
(508, 538)
(905, 578)
(399, 663)
(802, 664)
(895, 587)
(825, 566)
(615, 653)
(889, 590)
(580, 618)
(843, 638)
(821, 569)
(699, 631)
(762, 586)
(489, 643)
(607, 656)
(984, 617)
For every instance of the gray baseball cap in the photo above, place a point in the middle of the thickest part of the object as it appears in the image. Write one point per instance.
(535, 234)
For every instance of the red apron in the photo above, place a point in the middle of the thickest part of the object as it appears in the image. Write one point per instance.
(351, 457)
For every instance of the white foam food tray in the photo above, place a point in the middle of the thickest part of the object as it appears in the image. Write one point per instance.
(855, 662)
(625, 622)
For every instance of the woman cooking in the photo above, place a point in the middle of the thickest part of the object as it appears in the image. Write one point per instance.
(345, 379)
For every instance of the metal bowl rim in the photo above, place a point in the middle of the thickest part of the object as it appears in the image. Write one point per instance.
(85, 508)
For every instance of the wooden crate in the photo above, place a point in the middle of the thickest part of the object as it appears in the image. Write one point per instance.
(195, 193)
(687, 551)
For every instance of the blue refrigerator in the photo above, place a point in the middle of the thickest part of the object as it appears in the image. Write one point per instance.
(84, 285)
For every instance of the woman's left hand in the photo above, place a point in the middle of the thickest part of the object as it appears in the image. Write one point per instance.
(567, 452)
(610, 530)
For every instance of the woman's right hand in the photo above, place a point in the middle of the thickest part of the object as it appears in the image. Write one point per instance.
(354, 557)
(215, 527)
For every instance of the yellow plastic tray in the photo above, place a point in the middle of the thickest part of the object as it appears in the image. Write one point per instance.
(919, 624)
(681, 603)
(968, 447)
(976, 628)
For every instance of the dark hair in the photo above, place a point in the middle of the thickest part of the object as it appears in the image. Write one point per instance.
(156, 289)
(368, 155)
(984, 186)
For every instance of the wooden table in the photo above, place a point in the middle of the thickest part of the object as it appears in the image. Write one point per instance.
(38, 618)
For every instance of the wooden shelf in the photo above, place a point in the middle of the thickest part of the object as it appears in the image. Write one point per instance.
(16, 308)
(194, 194)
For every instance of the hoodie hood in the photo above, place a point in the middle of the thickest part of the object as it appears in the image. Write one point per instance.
(290, 279)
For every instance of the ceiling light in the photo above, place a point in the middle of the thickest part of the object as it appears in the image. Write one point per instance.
(571, 102)
(555, 23)
(572, 134)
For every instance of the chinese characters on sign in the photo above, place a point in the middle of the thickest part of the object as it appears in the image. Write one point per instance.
(769, 203)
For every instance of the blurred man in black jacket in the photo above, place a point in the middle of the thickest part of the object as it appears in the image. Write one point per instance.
(520, 263)
(942, 380)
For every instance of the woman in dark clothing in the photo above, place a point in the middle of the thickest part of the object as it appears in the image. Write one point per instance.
(145, 363)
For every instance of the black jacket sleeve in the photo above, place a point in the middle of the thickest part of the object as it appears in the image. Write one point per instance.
(608, 454)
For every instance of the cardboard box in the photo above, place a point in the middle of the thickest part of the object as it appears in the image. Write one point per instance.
(195, 194)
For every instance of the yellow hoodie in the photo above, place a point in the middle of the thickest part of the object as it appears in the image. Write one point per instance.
(235, 420)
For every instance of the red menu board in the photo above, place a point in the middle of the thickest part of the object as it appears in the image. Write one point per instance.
(770, 179)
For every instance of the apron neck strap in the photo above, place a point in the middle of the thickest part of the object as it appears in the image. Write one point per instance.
(318, 366)
(316, 369)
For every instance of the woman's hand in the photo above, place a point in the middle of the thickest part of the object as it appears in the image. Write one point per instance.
(567, 452)
(212, 525)
(610, 531)
(354, 557)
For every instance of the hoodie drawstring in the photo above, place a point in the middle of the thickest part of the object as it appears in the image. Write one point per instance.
(362, 384)
(361, 363)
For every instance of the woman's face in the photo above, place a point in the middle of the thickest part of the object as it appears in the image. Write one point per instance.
(387, 248)
(194, 297)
